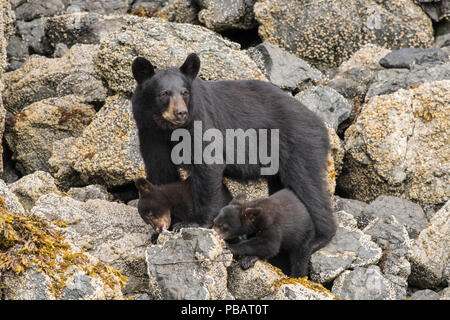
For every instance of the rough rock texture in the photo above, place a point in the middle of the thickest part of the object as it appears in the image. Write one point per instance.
(398, 146)
(94, 191)
(166, 45)
(79, 27)
(254, 283)
(435, 9)
(30, 133)
(327, 103)
(390, 80)
(326, 33)
(430, 253)
(37, 262)
(425, 295)
(6, 17)
(112, 232)
(408, 57)
(406, 213)
(353, 76)
(263, 281)
(78, 285)
(42, 78)
(353, 207)
(282, 68)
(29, 188)
(254, 189)
(191, 264)
(335, 160)
(349, 248)
(224, 15)
(107, 152)
(393, 239)
(363, 284)
(9, 199)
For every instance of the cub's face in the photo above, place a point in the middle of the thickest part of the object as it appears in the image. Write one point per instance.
(153, 206)
(164, 95)
(228, 223)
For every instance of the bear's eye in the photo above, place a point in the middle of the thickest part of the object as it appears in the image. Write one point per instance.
(184, 92)
(164, 94)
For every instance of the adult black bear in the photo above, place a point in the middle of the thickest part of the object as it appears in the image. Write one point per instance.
(175, 97)
(275, 227)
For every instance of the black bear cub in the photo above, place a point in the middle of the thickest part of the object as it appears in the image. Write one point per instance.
(169, 206)
(277, 228)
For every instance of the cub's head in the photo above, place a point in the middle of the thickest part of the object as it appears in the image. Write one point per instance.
(235, 219)
(164, 94)
(153, 205)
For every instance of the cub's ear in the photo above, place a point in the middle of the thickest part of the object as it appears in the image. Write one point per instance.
(191, 66)
(143, 185)
(251, 213)
(142, 69)
(239, 199)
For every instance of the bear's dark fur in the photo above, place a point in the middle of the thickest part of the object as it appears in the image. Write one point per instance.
(176, 97)
(275, 227)
(169, 206)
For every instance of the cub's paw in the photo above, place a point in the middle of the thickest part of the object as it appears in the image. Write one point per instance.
(179, 225)
(154, 237)
(248, 262)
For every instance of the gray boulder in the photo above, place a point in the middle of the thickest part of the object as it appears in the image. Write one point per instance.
(408, 57)
(107, 152)
(283, 69)
(395, 147)
(225, 15)
(405, 212)
(437, 10)
(41, 78)
(430, 253)
(349, 248)
(30, 133)
(191, 264)
(363, 284)
(426, 294)
(352, 206)
(327, 103)
(112, 232)
(391, 80)
(393, 239)
(9, 200)
(31, 187)
(168, 44)
(326, 33)
(93, 191)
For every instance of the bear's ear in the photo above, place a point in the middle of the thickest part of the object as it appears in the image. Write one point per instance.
(191, 66)
(239, 199)
(143, 185)
(252, 213)
(142, 69)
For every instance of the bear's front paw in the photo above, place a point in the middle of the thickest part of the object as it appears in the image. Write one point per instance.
(179, 225)
(154, 237)
(248, 262)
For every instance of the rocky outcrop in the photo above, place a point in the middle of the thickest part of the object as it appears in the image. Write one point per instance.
(188, 265)
(41, 78)
(166, 45)
(349, 248)
(430, 253)
(112, 232)
(37, 263)
(107, 152)
(283, 69)
(221, 16)
(30, 133)
(395, 146)
(326, 33)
